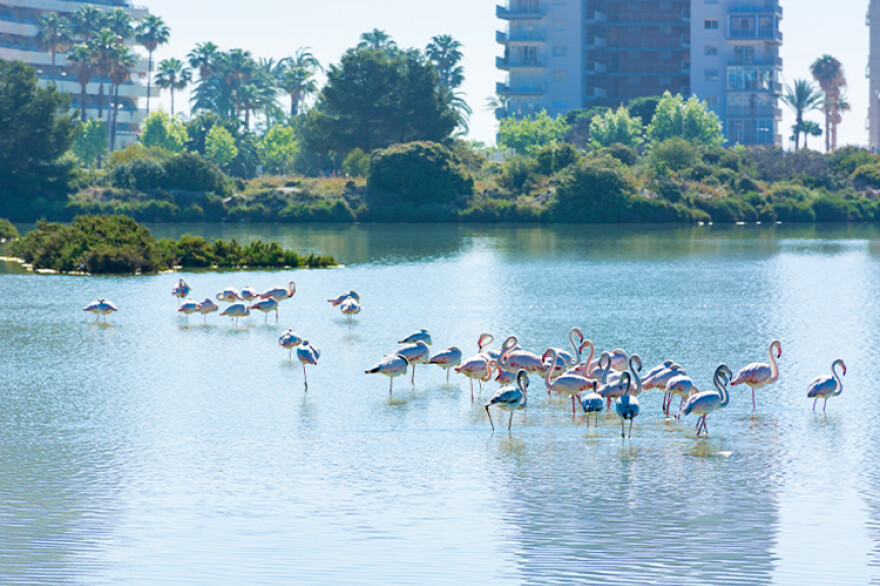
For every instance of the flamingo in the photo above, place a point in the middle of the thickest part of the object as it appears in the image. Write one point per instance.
(659, 380)
(447, 360)
(415, 354)
(289, 340)
(579, 365)
(307, 354)
(280, 293)
(181, 290)
(570, 360)
(683, 386)
(759, 375)
(655, 371)
(510, 398)
(568, 384)
(229, 295)
(235, 311)
(596, 370)
(339, 299)
(703, 404)
(593, 402)
(266, 305)
(249, 294)
(99, 308)
(207, 306)
(612, 387)
(189, 307)
(505, 377)
(420, 336)
(825, 387)
(391, 366)
(627, 406)
(478, 367)
(350, 308)
(513, 359)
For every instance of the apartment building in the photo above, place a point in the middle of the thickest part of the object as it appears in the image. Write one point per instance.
(19, 29)
(561, 55)
(873, 73)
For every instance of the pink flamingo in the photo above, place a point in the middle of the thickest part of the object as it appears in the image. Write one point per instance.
(207, 306)
(567, 360)
(189, 307)
(340, 298)
(448, 359)
(235, 311)
(415, 354)
(659, 380)
(289, 340)
(477, 367)
(350, 308)
(683, 386)
(307, 354)
(703, 404)
(393, 365)
(567, 384)
(181, 290)
(229, 295)
(825, 387)
(266, 306)
(612, 387)
(422, 335)
(515, 360)
(249, 294)
(280, 293)
(99, 308)
(511, 398)
(759, 375)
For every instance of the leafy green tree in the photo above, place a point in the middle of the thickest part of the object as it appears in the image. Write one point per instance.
(644, 108)
(82, 65)
(152, 32)
(688, 119)
(801, 97)
(220, 147)
(356, 164)
(418, 173)
(810, 128)
(124, 61)
(87, 21)
(37, 129)
(279, 149)
(373, 100)
(674, 153)
(828, 73)
(91, 142)
(297, 78)
(616, 127)
(160, 130)
(530, 133)
(173, 75)
(597, 190)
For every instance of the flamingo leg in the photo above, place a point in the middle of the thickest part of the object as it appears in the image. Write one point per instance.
(305, 377)
(824, 405)
(414, 376)
(705, 426)
(622, 434)
(630, 428)
(390, 385)
(814, 403)
(573, 411)
(472, 390)
(754, 404)
(447, 376)
(510, 421)
(489, 415)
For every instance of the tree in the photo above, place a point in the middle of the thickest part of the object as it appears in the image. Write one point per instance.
(691, 120)
(417, 173)
(220, 146)
(801, 97)
(279, 149)
(445, 53)
(104, 45)
(377, 40)
(124, 60)
(151, 32)
(119, 21)
(828, 73)
(91, 142)
(160, 130)
(296, 78)
(204, 57)
(840, 106)
(530, 133)
(810, 128)
(37, 130)
(87, 21)
(644, 108)
(373, 99)
(54, 34)
(82, 65)
(616, 128)
(172, 75)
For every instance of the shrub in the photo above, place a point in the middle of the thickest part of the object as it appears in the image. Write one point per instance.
(830, 209)
(190, 172)
(417, 173)
(155, 211)
(727, 210)
(551, 159)
(675, 154)
(356, 164)
(867, 176)
(517, 171)
(194, 251)
(794, 211)
(141, 174)
(597, 190)
(7, 230)
(626, 155)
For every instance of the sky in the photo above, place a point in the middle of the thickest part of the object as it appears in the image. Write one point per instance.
(274, 28)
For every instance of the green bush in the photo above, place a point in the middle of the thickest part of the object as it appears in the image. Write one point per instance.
(417, 173)
(144, 174)
(867, 176)
(794, 211)
(596, 190)
(194, 251)
(675, 154)
(7, 230)
(189, 172)
(626, 155)
(356, 164)
(727, 210)
(830, 209)
(498, 210)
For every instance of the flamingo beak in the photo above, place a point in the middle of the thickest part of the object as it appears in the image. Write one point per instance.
(844, 370)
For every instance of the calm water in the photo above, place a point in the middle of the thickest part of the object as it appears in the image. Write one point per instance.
(155, 453)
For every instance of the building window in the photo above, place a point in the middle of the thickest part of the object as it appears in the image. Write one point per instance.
(665, 56)
(560, 51)
(744, 55)
(528, 55)
(560, 76)
(711, 50)
(711, 24)
(558, 104)
(665, 30)
(559, 25)
(712, 101)
(711, 75)
(633, 56)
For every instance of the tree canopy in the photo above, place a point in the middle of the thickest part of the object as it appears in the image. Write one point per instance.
(688, 119)
(531, 133)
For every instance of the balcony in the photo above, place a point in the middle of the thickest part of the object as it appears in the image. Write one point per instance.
(507, 64)
(754, 112)
(755, 35)
(773, 87)
(503, 89)
(594, 42)
(595, 17)
(512, 13)
(520, 37)
(767, 7)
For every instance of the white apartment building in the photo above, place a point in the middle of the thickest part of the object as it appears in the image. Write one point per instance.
(873, 74)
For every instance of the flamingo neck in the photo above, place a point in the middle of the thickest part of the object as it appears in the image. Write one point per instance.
(575, 346)
(635, 376)
(722, 390)
(774, 368)
(837, 379)
(554, 359)
(589, 358)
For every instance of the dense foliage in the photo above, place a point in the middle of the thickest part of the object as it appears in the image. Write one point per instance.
(7, 230)
(417, 173)
(119, 245)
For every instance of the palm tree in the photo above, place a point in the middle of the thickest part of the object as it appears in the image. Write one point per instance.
(296, 77)
(204, 58)
(462, 110)
(104, 46)
(828, 73)
(377, 40)
(86, 21)
(840, 106)
(172, 75)
(82, 65)
(119, 21)
(151, 32)
(54, 34)
(124, 61)
(802, 97)
(445, 52)
(810, 128)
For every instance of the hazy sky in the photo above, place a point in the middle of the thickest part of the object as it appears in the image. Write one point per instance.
(272, 28)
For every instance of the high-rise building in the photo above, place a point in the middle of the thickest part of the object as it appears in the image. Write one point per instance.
(19, 30)
(874, 76)
(561, 55)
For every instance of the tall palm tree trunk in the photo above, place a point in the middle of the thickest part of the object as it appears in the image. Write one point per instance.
(101, 99)
(172, 101)
(82, 102)
(149, 80)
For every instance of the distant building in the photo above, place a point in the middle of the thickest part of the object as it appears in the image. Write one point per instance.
(561, 55)
(874, 76)
(19, 27)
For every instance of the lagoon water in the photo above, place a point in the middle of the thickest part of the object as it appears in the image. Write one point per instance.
(150, 452)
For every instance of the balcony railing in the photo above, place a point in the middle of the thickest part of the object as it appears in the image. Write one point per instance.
(504, 89)
(755, 35)
(768, 7)
(513, 13)
(507, 63)
(520, 37)
(754, 112)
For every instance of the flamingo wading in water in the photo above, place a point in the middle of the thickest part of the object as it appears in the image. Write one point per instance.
(339, 299)
(207, 306)
(266, 306)
(280, 293)
(415, 354)
(235, 311)
(420, 336)
(447, 360)
(706, 402)
(627, 406)
(825, 387)
(188, 308)
(181, 290)
(99, 308)
(567, 384)
(759, 375)
(510, 398)
(289, 340)
(307, 354)
(392, 366)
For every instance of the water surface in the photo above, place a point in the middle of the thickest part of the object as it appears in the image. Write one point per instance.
(148, 451)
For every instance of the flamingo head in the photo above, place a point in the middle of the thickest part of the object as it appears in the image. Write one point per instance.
(522, 381)
(484, 340)
(778, 345)
(636, 359)
(586, 344)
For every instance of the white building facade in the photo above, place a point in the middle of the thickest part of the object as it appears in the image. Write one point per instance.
(19, 29)
(873, 74)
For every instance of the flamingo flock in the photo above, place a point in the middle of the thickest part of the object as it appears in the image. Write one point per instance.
(594, 384)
